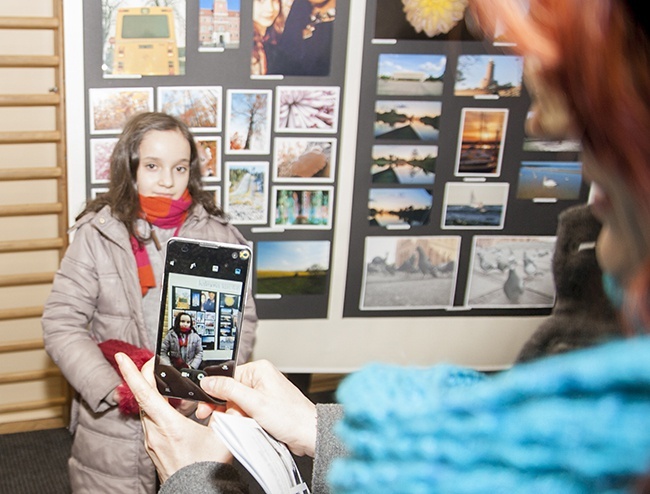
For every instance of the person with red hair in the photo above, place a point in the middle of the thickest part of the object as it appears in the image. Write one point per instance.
(571, 423)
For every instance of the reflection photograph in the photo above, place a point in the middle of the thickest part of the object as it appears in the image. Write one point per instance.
(399, 207)
(404, 164)
(407, 120)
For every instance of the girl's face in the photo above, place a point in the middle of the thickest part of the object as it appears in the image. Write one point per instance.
(185, 323)
(265, 12)
(164, 169)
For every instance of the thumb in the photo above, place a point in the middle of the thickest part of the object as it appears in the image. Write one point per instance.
(232, 391)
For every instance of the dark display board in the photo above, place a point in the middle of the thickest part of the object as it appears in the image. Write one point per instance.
(454, 208)
(216, 84)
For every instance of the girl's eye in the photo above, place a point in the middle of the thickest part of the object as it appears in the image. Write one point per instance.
(150, 166)
(181, 169)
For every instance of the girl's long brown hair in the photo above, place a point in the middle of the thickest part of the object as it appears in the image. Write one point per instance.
(122, 195)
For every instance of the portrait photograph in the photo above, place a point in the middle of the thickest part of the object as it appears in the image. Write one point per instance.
(247, 192)
(406, 74)
(292, 267)
(110, 107)
(248, 125)
(511, 272)
(409, 273)
(559, 180)
(480, 144)
(292, 38)
(399, 207)
(304, 159)
(307, 109)
(407, 120)
(199, 107)
(475, 206)
(303, 208)
(404, 164)
(100, 159)
(489, 75)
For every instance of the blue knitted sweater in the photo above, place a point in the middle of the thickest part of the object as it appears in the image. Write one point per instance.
(571, 423)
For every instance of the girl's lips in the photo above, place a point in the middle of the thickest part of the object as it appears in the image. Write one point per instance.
(599, 202)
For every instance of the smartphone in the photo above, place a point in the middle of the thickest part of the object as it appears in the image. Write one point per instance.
(201, 314)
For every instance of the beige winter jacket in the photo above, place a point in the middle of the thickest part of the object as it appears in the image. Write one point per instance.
(96, 297)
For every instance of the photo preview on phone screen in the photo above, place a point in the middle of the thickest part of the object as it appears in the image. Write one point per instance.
(204, 291)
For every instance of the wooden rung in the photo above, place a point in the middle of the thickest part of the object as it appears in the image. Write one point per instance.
(21, 346)
(29, 137)
(30, 209)
(21, 61)
(50, 99)
(21, 313)
(31, 245)
(30, 173)
(26, 279)
(37, 375)
(32, 405)
(29, 23)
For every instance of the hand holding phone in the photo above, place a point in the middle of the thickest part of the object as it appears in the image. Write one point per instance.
(201, 312)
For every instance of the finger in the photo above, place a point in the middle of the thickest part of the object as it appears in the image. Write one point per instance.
(226, 388)
(150, 401)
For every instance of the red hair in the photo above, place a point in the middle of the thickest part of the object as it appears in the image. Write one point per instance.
(598, 56)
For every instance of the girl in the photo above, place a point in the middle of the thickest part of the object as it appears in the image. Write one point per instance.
(182, 346)
(107, 288)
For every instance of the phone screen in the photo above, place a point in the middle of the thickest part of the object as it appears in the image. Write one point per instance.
(201, 313)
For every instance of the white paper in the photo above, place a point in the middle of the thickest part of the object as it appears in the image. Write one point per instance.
(268, 460)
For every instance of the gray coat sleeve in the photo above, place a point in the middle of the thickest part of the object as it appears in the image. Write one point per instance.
(328, 446)
(205, 478)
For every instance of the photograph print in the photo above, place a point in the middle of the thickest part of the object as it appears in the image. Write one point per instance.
(407, 120)
(405, 74)
(294, 267)
(480, 147)
(248, 127)
(489, 75)
(111, 107)
(292, 37)
(143, 38)
(100, 159)
(475, 206)
(399, 207)
(199, 107)
(246, 192)
(307, 109)
(209, 150)
(303, 208)
(511, 272)
(412, 164)
(308, 159)
(555, 180)
(409, 273)
(440, 21)
(219, 25)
